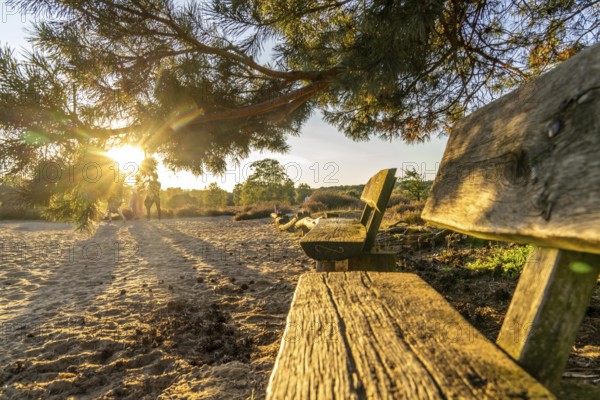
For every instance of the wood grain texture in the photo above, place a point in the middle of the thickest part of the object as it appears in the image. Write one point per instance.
(334, 239)
(375, 189)
(526, 168)
(376, 195)
(549, 303)
(368, 335)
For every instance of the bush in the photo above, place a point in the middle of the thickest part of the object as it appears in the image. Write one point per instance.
(509, 261)
(20, 213)
(396, 199)
(185, 212)
(334, 201)
(411, 218)
(269, 182)
(165, 213)
(261, 210)
(190, 212)
(314, 206)
(180, 200)
(214, 196)
(408, 213)
(408, 207)
(216, 212)
(302, 191)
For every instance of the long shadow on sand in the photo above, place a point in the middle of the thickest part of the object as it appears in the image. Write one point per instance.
(63, 287)
(225, 261)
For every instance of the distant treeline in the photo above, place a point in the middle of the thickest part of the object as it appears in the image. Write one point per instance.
(269, 184)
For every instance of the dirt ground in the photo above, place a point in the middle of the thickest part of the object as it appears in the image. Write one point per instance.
(192, 308)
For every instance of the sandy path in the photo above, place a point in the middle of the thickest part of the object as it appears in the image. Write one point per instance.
(184, 308)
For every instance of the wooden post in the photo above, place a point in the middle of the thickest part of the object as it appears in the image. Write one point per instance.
(546, 310)
(326, 266)
(372, 262)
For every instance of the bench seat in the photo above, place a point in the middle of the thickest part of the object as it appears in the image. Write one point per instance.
(334, 239)
(357, 335)
(340, 244)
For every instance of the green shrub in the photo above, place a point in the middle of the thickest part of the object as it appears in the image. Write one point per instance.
(214, 196)
(413, 185)
(190, 212)
(334, 201)
(314, 206)
(181, 200)
(411, 217)
(165, 213)
(268, 182)
(260, 210)
(509, 261)
(185, 212)
(216, 212)
(302, 191)
(20, 213)
(412, 206)
(396, 199)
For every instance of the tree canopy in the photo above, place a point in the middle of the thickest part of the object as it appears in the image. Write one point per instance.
(214, 196)
(413, 185)
(198, 83)
(268, 182)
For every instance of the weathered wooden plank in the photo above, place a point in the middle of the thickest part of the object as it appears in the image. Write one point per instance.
(366, 335)
(549, 303)
(334, 239)
(528, 171)
(375, 189)
(376, 195)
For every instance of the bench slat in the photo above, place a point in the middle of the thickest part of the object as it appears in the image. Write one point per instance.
(334, 239)
(526, 167)
(376, 195)
(355, 335)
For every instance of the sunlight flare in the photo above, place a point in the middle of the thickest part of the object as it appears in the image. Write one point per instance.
(126, 155)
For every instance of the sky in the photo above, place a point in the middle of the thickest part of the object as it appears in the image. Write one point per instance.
(321, 156)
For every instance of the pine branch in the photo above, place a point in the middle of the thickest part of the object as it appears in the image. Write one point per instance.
(236, 56)
(266, 107)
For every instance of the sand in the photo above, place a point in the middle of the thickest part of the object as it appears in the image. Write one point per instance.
(172, 309)
(194, 308)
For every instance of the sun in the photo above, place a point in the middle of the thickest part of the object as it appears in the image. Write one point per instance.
(126, 155)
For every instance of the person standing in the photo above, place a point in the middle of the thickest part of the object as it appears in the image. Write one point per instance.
(153, 197)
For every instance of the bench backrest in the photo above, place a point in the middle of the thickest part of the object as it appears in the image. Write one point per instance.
(526, 168)
(376, 195)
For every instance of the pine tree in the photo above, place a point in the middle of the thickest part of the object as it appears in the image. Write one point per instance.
(184, 81)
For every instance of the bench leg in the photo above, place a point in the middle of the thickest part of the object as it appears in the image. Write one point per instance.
(546, 310)
(383, 262)
(326, 266)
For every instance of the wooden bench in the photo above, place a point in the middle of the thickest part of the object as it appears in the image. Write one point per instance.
(516, 171)
(347, 244)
